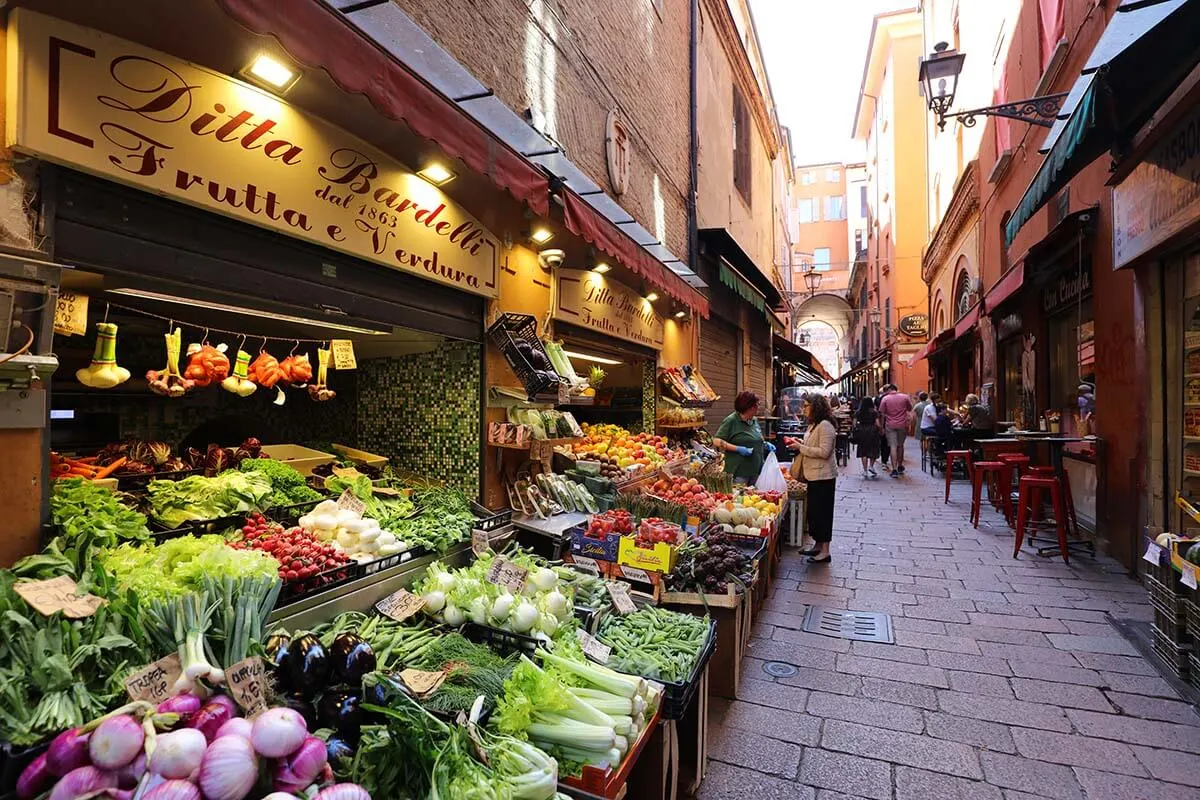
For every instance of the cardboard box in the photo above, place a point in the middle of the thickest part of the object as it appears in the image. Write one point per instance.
(301, 459)
(660, 558)
(603, 548)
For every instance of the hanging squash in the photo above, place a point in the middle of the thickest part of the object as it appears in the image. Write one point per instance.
(239, 382)
(103, 372)
(206, 364)
(168, 382)
(319, 391)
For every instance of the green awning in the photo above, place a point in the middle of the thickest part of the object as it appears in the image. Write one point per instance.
(1146, 50)
(742, 288)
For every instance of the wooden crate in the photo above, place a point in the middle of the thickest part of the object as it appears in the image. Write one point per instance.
(655, 774)
(692, 739)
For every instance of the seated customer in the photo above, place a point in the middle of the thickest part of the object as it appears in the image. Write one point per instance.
(928, 415)
(942, 426)
(978, 416)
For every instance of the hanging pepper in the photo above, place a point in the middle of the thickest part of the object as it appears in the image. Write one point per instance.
(319, 391)
(103, 372)
(168, 381)
(239, 382)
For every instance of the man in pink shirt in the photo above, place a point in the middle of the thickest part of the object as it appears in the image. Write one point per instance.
(896, 409)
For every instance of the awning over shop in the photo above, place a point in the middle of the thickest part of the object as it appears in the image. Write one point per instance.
(863, 367)
(1005, 288)
(741, 287)
(1148, 47)
(964, 325)
(738, 262)
(376, 51)
(803, 360)
(932, 346)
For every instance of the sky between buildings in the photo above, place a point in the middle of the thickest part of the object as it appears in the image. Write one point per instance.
(815, 51)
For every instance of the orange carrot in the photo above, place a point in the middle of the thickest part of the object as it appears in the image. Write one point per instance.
(111, 468)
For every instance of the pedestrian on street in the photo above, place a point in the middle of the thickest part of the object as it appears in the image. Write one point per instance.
(816, 463)
(919, 411)
(897, 409)
(741, 439)
(867, 432)
(885, 449)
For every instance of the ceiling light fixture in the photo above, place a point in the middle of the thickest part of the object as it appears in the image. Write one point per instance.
(249, 312)
(436, 173)
(680, 314)
(541, 235)
(601, 268)
(652, 296)
(586, 357)
(271, 74)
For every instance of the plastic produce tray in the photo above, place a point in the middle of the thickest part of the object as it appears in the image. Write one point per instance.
(490, 521)
(504, 333)
(503, 642)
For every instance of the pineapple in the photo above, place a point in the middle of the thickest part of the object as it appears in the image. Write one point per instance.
(596, 377)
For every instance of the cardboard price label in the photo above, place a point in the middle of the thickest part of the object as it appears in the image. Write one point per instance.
(247, 681)
(70, 314)
(1153, 554)
(400, 605)
(153, 682)
(479, 542)
(1189, 575)
(540, 450)
(593, 648)
(636, 574)
(507, 574)
(586, 564)
(349, 473)
(350, 502)
(621, 600)
(343, 354)
(422, 683)
(59, 594)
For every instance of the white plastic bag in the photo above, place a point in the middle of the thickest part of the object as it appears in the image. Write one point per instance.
(771, 479)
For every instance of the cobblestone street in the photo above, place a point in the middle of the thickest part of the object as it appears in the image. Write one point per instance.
(1006, 680)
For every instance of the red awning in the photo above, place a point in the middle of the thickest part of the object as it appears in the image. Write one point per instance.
(967, 322)
(932, 346)
(318, 37)
(1008, 284)
(582, 220)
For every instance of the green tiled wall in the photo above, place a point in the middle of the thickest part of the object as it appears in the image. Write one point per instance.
(423, 412)
(649, 395)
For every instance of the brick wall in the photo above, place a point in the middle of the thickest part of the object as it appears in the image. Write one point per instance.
(571, 63)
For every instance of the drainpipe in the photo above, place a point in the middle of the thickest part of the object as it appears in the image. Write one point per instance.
(693, 132)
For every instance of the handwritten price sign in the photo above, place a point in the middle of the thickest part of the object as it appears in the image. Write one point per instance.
(343, 354)
(593, 648)
(59, 594)
(507, 574)
(350, 502)
(153, 682)
(70, 314)
(621, 600)
(248, 684)
(400, 605)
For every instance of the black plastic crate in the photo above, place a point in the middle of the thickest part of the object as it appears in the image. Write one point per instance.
(678, 696)
(1175, 656)
(1171, 626)
(1194, 669)
(13, 761)
(138, 481)
(1192, 617)
(1165, 593)
(295, 591)
(1160, 571)
(490, 521)
(549, 547)
(503, 642)
(505, 332)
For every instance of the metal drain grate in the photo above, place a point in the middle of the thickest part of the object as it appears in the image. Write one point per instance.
(862, 626)
(778, 669)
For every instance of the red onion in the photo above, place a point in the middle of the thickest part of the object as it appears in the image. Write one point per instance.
(227, 701)
(209, 719)
(68, 751)
(302, 766)
(178, 753)
(182, 704)
(238, 726)
(229, 769)
(129, 775)
(83, 782)
(173, 790)
(343, 791)
(278, 732)
(116, 742)
(35, 778)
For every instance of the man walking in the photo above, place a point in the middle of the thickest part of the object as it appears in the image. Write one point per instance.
(896, 409)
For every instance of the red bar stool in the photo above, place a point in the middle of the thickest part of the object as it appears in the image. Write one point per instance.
(993, 472)
(951, 457)
(1018, 461)
(1029, 499)
(1018, 465)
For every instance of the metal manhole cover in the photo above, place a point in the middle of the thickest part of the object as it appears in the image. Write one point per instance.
(862, 626)
(778, 669)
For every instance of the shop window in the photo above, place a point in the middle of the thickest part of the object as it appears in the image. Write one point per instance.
(741, 146)
(1070, 333)
(1011, 370)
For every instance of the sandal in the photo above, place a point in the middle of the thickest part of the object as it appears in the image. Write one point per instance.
(824, 560)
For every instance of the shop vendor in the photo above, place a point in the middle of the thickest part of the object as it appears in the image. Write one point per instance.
(740, 438)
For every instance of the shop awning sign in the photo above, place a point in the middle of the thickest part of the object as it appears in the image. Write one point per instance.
(592, 301)
(122, 111)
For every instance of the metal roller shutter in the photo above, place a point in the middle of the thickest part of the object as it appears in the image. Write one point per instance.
(758, 381)
(719, 362)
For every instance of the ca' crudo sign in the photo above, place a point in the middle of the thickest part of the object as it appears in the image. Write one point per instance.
(116, 109)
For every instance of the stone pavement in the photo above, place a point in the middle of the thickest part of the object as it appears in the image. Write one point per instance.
(1006, 681)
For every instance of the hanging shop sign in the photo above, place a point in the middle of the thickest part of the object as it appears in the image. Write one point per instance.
(592, 301)
(141, 117)
(1069, 288)
(1161, 196)
(915, 326)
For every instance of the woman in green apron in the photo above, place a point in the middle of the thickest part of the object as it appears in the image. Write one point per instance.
(740, 438)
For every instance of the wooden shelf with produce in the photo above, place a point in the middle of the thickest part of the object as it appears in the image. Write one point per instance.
(680, 426)
(529, 444)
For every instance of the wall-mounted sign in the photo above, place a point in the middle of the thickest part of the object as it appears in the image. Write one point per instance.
(1069, 288)
(915, 326)
(617, 150)
(595, 302)
(134, 115)
(1161, 196)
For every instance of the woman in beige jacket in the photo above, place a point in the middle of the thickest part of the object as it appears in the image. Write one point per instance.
(816, 464)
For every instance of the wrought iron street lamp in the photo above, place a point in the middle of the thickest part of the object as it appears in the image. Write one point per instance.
(939, 77)
(812, 281)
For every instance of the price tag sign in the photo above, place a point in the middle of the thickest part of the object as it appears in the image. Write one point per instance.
(593, 648)
(693, 524)
(1189, 576)
(343, 354)
(247, 681)
(507, 574)
(564, 395)
(59, 594)
(153, 682)
(350, 502)
(621, 600)
(540, 450)
(422, 683)
(70, 314)
(1153, 554)
(479, 542)
(636, 574)
(586, 564)
(400, 605)
(387, 491)
(349, 473)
